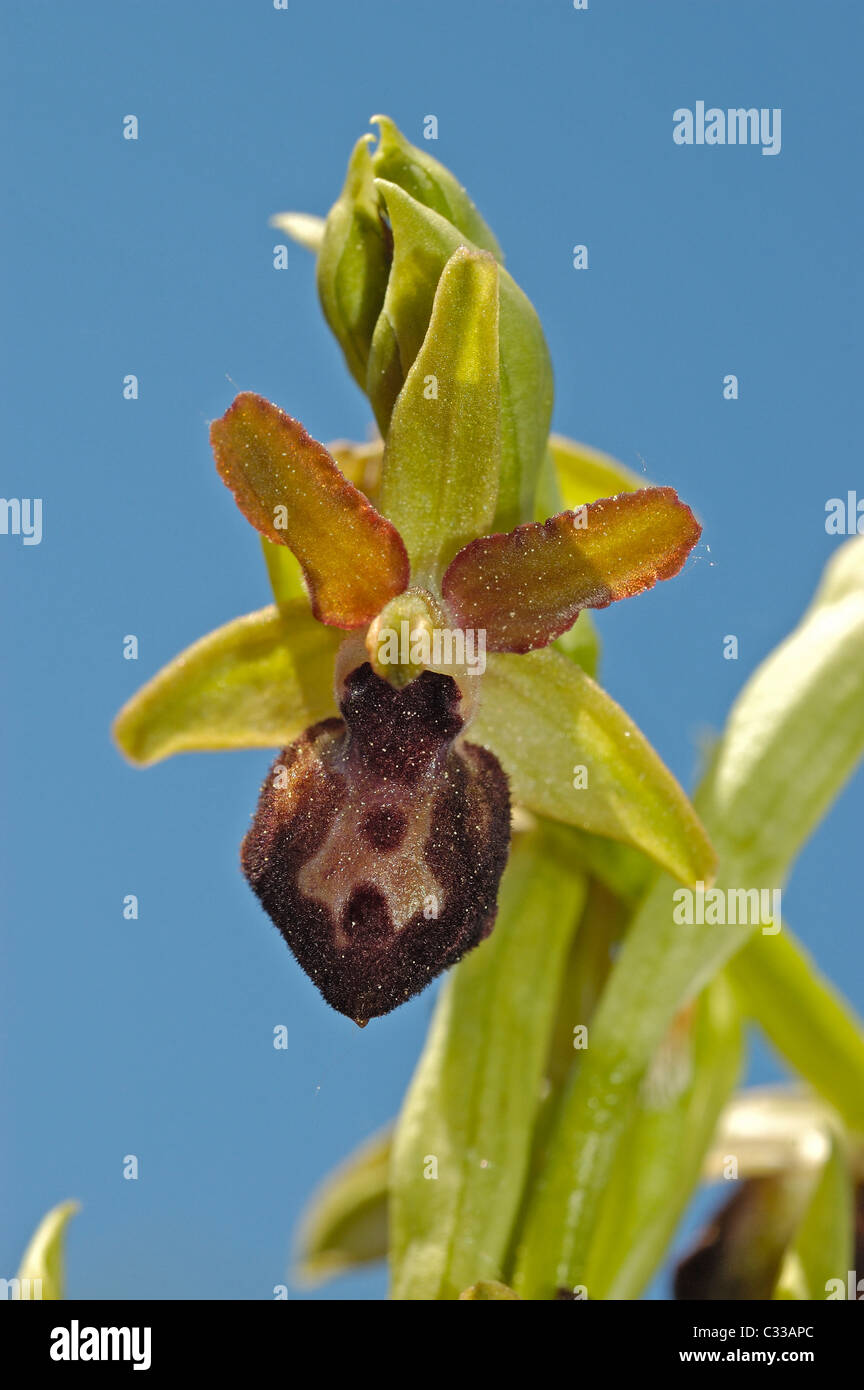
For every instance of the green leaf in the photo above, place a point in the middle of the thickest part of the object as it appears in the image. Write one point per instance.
(40, 1274)
(430, 183)
(824, 1245)
(443, 451)
(346, 1224)
(690, 1080)
(660, 966)
(602, 924)
(472, 1103)
(302, 227)
(257, 682)
(806, 1019)
(423, 244)
(794, 735)
(354, 262)
(545, 719)
(584, 474)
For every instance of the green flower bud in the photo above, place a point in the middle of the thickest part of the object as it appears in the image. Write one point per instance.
(430, 183)
(354, 262)
(400, 218)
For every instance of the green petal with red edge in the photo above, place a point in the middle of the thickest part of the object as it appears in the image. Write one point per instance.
(292, 491)
(527, 587)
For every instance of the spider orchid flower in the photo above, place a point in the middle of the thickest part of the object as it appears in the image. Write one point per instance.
(414, 669)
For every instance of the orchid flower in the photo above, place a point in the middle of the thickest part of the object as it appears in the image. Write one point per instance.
(383, 827)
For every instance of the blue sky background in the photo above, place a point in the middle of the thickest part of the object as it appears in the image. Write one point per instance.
(155, 1037)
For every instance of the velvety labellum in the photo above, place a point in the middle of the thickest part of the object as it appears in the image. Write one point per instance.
(379, 842)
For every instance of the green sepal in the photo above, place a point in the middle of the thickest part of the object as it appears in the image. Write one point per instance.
(257, 682)
(443, 453)
(584, 474)
(554, 729)
(423, 242)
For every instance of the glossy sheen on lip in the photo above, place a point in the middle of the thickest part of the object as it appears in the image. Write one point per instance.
(379, 842)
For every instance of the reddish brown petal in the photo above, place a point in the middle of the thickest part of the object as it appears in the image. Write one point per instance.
(527, 587)
(291, 490)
